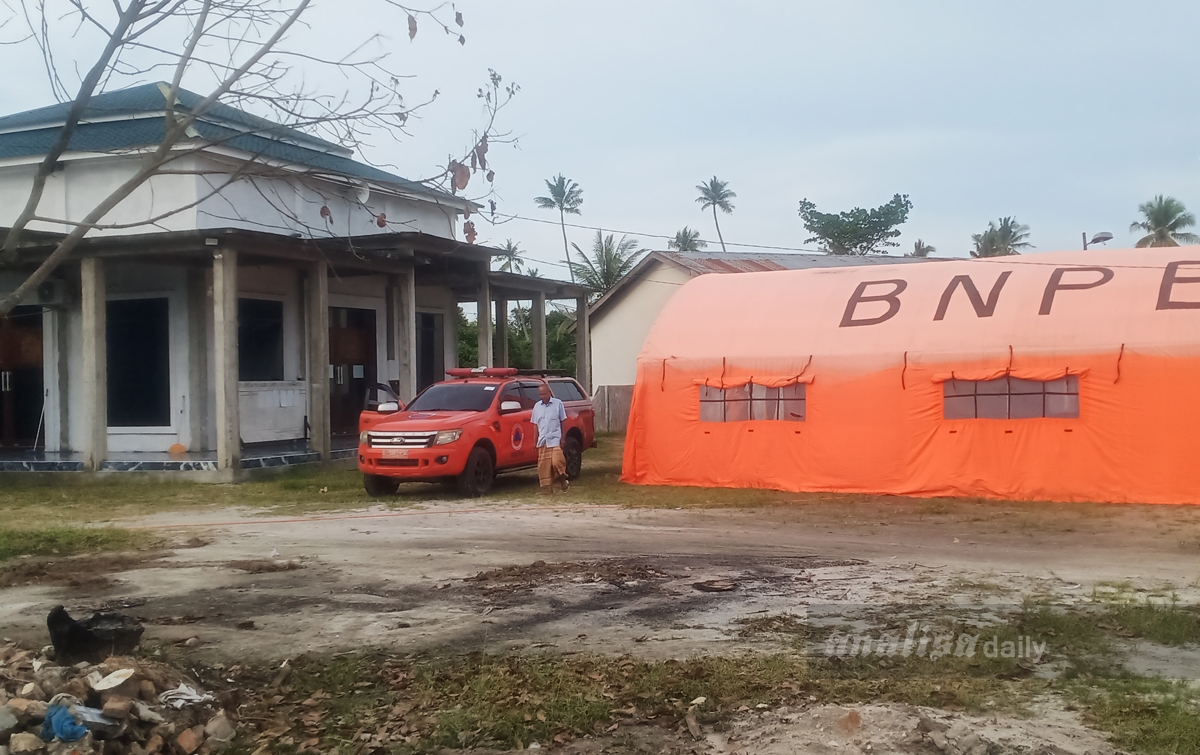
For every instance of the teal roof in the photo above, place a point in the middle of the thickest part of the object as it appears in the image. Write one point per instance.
(131, 118)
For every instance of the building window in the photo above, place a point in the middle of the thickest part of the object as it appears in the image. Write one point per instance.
(1011, 398)
(753, 402)
(260, 339)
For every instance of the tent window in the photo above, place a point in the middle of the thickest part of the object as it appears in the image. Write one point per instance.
(753, 402)
(1011, 398)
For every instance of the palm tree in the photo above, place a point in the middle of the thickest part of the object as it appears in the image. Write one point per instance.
(1001, 240)
(609, 261)
(921, 249)
(686, 240)
(565, 196)
(1166, 217)
(515, 261)
(715, 194)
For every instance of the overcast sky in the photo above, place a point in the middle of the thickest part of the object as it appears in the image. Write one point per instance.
(1064, 114)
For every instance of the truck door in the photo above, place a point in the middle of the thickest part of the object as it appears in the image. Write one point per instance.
(518, 440)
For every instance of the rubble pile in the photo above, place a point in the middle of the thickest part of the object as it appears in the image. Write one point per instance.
(121, 706)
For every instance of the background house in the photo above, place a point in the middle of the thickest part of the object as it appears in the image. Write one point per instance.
(233, 311)
(621, 319)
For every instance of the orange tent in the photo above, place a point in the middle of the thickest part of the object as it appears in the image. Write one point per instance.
(1071, 376)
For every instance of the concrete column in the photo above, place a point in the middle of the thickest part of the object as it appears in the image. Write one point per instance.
(485, 317)
(62, 334)
(538, 317)
(94, 302)
(316, 289)
(225, 358)
(197, 308)
(583, 344)
(502, 332)
(403, 294)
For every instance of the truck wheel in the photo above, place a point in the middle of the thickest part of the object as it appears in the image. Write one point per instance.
(573, 451)
(378, 487)
(476, 478)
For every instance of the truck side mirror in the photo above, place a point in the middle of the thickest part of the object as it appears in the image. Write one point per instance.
(510, 406)
(380, 395)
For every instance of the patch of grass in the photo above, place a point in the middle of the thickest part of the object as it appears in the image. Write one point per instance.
(64, 541)
(51, 501)
(1166, 624)
(1147, 716)
(422, 704)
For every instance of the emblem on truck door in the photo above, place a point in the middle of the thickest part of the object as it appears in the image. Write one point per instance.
(518, 437)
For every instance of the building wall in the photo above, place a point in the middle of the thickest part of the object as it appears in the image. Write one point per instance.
(270, 410)
(276, 205)
(83, 182)
(279, 205)
(618, 334)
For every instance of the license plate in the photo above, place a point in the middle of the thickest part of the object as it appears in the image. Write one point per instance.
(395, 453)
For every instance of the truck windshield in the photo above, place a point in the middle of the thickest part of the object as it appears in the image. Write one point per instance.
(454, 397)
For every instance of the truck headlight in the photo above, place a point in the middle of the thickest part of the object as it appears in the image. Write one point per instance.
(363, 438)
(447, 436)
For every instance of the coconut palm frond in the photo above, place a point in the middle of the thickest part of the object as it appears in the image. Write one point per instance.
(1001, 240)
(564, 196)
(921, 249)
(715, 193)
(609, 261)
(1164, 220)
(686, 240)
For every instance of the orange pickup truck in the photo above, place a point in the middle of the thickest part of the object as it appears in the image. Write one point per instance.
(466, 430)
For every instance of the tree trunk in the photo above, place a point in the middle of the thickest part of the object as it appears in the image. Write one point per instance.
(718, 225)
(562, 221)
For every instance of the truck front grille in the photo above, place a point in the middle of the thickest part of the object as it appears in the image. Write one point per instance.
(405, 439)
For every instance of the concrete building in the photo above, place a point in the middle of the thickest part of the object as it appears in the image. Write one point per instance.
(621, 319)
(234, 312)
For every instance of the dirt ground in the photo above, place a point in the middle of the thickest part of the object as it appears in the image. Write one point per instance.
(613, 580)
(651, 583)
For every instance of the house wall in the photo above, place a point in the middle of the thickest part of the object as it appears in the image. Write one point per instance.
(277, 205)
(83, 182)
(619, 331)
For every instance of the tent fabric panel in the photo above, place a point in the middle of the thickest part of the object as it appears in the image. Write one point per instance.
(1134, 440)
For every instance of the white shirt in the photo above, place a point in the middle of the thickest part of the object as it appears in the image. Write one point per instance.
(548, 417)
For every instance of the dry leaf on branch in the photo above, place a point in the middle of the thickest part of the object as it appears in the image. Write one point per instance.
(461, 174)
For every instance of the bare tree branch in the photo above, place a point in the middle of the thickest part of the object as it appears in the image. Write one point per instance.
(237, 45)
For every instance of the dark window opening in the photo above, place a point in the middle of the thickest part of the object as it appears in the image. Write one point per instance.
(260, 339)
(139, 363)
(529, 392)
(429, 367)
(566, 390)
(1011, 398)
(754, 402)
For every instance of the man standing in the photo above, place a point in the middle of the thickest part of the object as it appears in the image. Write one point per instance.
(548, 416)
